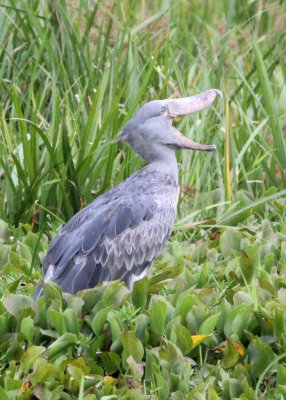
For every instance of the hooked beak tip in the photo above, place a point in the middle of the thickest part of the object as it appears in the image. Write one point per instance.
(218, 92)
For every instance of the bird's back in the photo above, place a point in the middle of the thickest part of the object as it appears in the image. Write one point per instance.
(117, 236)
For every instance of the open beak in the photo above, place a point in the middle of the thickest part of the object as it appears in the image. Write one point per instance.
(189, 105)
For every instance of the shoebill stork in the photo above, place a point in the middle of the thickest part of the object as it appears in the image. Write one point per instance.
(121, 232)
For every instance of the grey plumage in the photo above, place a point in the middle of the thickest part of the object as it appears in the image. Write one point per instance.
(120, 233)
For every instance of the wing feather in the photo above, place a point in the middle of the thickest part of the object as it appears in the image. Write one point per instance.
(117, 241)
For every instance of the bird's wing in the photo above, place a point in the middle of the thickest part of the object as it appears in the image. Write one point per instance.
(68, 241)
(115, 241)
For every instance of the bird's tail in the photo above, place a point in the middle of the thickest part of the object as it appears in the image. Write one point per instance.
(39, 291)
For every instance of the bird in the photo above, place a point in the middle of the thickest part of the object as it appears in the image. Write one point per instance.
(119, 234)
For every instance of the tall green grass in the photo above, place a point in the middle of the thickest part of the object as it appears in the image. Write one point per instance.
(72, 73)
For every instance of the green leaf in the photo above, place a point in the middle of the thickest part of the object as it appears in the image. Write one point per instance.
(4, 325)
(52, 291)
(44, 373)
(183, 338)
(100, 318)
(250, 262)
(64, 342)
(111, 362)
(230, 242)
(41, 392)
(27, 328)
(17, 305)
(3, 394)
(141, 329)
(174, 356)
(279, 322)
(209, 325)
(5, 251)
(139, 292)
(157, 315)
(184, 305)
(212, 394)
(237, 320)
(281, 375)
(132, 346)
(242, 297)
(55, 320)
(230, 355)
(115, 325)
(260, 356)
(31, 356)
(76, 373)
(4, 231)
(70, 321)
(162, 389)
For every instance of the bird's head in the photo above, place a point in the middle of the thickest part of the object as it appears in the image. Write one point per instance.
(150, 132)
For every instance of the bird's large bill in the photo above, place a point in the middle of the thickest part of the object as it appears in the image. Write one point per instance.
(190, 105)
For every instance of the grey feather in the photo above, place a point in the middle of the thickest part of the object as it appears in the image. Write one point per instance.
(119, 234)
(114, 241)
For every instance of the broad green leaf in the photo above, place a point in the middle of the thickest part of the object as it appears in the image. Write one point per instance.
(64, 342)
(44, 373)
(152, 365)
(162, 388)
(55, 319)
(230, 355)
(141, 329)
(70, 321)
(260, 356)
(115, 325)
(242, 297)
(4, 325)
(31, 356)
(184, 305)
(183, 338)
(111, 362)
(230, 242)
(250, 262)
(237, 320)
(27, 328)
(266, 285)
(212, 394)
(52, 291)
(5, 251)
(132, 346)
(3, 394)
(100, 318)
(18, 304)
(281, 375)
(209, 324)
(42, 392)
(279, 322)
(174, 356)
(157, 316)
(76, 373)
(139, 292)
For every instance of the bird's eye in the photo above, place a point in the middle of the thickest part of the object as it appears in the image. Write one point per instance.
(163, 110)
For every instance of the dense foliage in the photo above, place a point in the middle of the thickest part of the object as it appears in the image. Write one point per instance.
(209, 321)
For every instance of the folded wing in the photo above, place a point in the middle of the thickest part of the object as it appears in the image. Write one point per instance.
(118, 239)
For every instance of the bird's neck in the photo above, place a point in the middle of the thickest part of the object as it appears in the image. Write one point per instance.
(166, 165)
